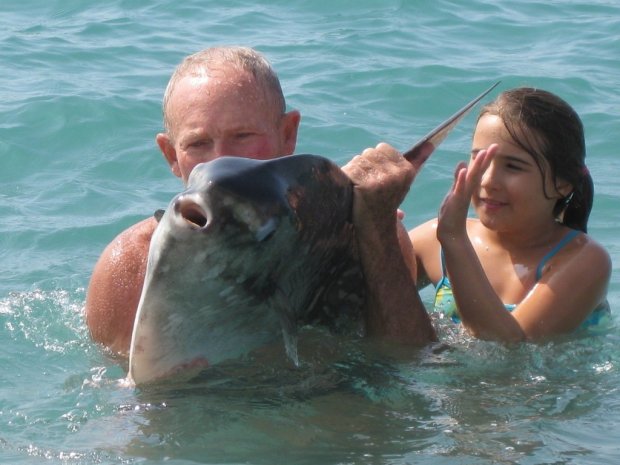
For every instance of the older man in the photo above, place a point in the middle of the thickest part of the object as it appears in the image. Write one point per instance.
(228, 101)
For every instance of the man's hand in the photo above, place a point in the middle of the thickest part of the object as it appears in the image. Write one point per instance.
(381, 179)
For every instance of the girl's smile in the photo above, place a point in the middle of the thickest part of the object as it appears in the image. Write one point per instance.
(491, 205)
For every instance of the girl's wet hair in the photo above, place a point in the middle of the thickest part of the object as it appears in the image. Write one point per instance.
(550, 130)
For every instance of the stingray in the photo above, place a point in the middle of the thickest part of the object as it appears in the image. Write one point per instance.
(250, 252)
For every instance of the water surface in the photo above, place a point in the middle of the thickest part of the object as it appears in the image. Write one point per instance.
(80, 94)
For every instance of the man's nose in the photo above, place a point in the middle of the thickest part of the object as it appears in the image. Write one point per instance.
(221, 148)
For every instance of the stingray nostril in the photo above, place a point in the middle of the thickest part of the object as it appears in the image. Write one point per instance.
(192, 213)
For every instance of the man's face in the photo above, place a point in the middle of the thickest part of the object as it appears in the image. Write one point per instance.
(226, 113)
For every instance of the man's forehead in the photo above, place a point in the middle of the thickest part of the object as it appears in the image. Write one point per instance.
(220, 77)
(216, 87)
(197, 95)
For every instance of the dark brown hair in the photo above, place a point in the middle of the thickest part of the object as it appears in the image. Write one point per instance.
(550, 130)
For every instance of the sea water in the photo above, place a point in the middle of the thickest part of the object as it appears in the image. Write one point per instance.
(80, 90)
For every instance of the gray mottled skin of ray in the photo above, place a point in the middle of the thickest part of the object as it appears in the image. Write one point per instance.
(242, 257)
(250, 251)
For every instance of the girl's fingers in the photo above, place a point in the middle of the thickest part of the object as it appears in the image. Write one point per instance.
(482, 160)
(478, 165)
(460, 174)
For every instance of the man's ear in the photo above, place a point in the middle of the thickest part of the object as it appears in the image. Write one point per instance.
(167, 148)
(289, 127)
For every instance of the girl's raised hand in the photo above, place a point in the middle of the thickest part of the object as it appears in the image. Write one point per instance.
(453, 211)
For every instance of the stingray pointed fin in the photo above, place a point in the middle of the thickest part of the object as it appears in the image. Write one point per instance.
(288, 322)
(420, 152)
(158, 214)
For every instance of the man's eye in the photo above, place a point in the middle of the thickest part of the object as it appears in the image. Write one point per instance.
(198, 143)
(243, 135)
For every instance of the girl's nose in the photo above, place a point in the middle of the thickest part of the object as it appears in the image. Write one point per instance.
(490, 176)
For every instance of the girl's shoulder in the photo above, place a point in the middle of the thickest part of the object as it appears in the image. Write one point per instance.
(425, 230)
(579, 259)
(425, 234)
(589, 252)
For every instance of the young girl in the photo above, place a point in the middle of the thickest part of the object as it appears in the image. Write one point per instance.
(525, 269)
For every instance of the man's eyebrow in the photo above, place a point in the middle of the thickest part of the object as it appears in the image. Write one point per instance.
(194, 133)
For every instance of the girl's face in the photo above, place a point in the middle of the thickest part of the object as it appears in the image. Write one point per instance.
(511, 196)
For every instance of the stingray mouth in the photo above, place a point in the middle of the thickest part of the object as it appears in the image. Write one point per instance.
(192, 213)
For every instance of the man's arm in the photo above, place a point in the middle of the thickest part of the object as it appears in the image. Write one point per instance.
(115, 287)
(381, 179)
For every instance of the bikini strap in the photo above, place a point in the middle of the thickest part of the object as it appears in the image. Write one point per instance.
(442, 258)
(444, 281)
(565, 240)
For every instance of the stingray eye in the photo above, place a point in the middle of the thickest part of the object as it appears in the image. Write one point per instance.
(266, 230)
(193, 213)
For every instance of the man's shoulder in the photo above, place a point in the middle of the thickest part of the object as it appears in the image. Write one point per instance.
(115, 285)
(136, 236)
(131, 246)
(142, 230)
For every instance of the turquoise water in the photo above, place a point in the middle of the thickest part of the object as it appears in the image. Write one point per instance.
(80, 92)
